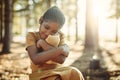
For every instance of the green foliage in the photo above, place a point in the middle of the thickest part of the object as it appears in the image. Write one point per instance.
(28, 12)
(115, 6)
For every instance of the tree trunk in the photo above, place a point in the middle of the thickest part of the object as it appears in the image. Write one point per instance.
(7, 26)
(76, 14)
(91, 37)
(1, 20)
(117, 19)
(68, 30)
(49, 3)
(116, 35)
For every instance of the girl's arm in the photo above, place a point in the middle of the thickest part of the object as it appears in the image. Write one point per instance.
(45, 46)
(60, 57)
(42, 57)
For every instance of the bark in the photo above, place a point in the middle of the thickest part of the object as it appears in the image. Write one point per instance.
(91, 37)
(7, 26)
(1, 20)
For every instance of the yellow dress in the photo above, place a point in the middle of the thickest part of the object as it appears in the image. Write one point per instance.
(51, 70)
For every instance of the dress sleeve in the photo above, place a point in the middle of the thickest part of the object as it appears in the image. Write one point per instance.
(30, 39)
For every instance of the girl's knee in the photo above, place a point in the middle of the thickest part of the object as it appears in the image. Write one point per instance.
(75, 72)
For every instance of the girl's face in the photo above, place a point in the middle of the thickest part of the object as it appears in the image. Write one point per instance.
(48, 28)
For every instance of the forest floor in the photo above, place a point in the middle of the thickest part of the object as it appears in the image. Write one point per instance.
(15, 66)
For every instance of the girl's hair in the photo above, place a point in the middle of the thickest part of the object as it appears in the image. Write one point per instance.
(54, 14)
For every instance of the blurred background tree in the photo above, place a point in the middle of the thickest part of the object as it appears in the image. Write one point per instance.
(1, 19)
(115, 13)
(91, 33)
(6, 20)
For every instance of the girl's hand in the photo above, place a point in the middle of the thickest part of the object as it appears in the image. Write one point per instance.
(65, 50)
(64, 53)
(39, 43)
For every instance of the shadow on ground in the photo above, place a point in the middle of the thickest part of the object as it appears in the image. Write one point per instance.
(109, 64)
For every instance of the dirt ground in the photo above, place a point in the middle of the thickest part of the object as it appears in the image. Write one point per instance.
(15, 66)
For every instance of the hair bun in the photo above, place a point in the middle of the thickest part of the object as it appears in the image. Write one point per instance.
(54, 14)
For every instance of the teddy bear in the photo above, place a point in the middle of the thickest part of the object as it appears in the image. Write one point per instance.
(53, 40)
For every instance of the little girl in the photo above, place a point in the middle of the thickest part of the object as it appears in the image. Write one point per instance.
(48, 54)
